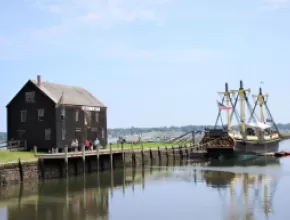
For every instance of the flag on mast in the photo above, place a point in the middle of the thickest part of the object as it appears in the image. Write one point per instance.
(223, 107)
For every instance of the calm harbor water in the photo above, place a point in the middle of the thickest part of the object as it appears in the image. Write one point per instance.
(257, 188)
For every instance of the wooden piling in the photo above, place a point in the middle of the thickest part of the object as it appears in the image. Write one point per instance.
(159, 154)
(173, 152)
(66, 159)
(35, 150)
(143, 178)
(112, 183)
(123, 155)
(142, 153)
(84, 152)
(124, 180)
(111, 157)
(98, 158)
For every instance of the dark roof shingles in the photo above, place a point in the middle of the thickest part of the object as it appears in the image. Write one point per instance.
(72, 95)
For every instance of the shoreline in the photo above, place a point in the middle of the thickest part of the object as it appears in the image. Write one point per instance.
(43, 169)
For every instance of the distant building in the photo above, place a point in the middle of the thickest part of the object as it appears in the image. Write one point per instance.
(50, 115)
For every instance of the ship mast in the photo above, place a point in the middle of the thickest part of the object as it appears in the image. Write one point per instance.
(227, 95)
(261, 97)
(242, 94)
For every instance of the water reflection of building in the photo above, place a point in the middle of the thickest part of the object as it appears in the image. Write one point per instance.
(84, 197)
(78, 198)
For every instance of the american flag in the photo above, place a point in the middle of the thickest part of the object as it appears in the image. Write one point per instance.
(223, 107)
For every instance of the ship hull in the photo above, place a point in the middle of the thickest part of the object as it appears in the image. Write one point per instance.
(217, 152)
(257, 148)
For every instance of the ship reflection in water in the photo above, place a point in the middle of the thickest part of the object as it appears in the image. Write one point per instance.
(246, 190)
(242, 189)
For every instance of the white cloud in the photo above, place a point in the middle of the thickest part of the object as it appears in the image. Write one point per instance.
(275, 4)
(107, 10)
(77, 31)
(182, 55)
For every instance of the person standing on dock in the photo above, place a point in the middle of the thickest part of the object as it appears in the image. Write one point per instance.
(87, 144)
(96, 143)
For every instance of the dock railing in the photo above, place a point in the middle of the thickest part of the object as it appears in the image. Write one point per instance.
(16, 145)
(67, 152)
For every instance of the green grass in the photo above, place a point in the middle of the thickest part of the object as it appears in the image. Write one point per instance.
(285, 134)
(8, 156)
(148, 144)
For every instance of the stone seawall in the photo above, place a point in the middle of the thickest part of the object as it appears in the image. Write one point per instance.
(57, 168)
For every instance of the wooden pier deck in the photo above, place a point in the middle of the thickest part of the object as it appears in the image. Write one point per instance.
(111, 151)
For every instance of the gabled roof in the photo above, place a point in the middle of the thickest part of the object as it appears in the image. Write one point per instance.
(72, 95)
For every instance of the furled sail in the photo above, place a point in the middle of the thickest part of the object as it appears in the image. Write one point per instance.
(259, 125)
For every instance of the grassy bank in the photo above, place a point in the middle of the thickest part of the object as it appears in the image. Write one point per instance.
(286, 134)
(8, 156)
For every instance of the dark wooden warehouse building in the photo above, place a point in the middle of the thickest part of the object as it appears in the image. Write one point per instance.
(48, 115)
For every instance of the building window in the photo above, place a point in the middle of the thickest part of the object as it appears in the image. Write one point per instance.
(23, 115)
(103, 133)
(47, 134)
(40, 113)
(77, 115)
(97, 116)
(62, 114)
(30, 96)
(63, 134)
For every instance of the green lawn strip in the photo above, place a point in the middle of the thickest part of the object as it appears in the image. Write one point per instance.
(8, 156)
(285, 134)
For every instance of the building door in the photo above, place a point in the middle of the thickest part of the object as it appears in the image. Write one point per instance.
(21, 137)
(92, 134)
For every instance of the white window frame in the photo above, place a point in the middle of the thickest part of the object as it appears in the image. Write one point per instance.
(77, 115)
(30, 96)
(47, 134)
(103, 133)
(97, 116)
(63, 134)
(23, 115)
(40, 114)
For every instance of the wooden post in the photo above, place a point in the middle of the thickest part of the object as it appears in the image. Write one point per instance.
(112, 183)
(111, 157)
(84, 152)
(159, 155)
(25, 144)
(173, 152)
(142, 153)
(35, 150)
(66, 158)
(124, 180)
(132, 147)
(98, 158)
(123, 156)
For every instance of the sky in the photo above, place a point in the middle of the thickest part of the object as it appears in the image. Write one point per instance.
(154, 62)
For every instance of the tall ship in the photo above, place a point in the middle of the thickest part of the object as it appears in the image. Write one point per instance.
(256, 134)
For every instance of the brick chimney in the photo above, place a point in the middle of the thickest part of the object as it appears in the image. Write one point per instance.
(39, 80)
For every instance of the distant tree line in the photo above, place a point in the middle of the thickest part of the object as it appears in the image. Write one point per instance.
(115, 132)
